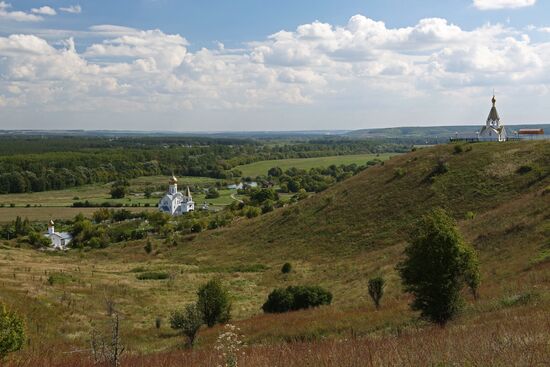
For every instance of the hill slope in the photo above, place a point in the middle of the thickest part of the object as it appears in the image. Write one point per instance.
(378, 206)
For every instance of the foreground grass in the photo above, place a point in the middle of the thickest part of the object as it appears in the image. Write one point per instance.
(511, 337)
(261, 168)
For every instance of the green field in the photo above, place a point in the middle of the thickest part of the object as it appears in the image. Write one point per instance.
(261, 168)
(42, 206)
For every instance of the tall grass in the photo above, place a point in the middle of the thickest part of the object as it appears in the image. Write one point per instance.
(504, 339)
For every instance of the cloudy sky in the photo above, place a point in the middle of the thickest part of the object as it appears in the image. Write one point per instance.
(186, 65)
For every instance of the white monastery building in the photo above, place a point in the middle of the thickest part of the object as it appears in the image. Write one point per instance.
(60, 240)
(494, 129)
(174, 202)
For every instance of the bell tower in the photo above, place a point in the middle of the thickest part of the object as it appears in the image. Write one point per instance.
(173, 185)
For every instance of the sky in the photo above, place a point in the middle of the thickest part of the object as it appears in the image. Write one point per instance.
(243, 65)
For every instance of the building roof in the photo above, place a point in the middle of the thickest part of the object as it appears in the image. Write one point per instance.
(493, 114)
(62, 235)
(173, 180)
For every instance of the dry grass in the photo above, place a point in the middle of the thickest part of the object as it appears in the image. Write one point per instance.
(506, 338)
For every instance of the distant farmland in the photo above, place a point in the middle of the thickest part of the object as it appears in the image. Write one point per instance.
(261, 168)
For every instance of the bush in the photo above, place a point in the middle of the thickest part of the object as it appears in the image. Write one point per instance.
(287, 268)
(524, 169)
(148, 247)
(296, 298)
(252, 211)
(12, 332)
(188, 322)
(212, 193)
(458, 149)
(196, 228)
(60, 278)
(214, 303)
(437, 265)
(38, 240)
(153, 275)
(399, 172)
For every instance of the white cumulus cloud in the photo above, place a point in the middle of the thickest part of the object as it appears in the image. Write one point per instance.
(16, 15)
(44, 10)
(502, 4)
(363, 63)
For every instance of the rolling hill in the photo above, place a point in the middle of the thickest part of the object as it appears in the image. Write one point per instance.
(499, 193)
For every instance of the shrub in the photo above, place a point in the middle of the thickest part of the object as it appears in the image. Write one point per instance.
(153, 275)
(148, 247)
(252, 212)
(196, 228)
(214, 303)
(188, 322)
(376, 290)
(399, 172)
(296, 298)
(212, 193)
(38, 240)
(12, 332)
(287, 268)
(60, 278)
(436, 266)
(524, 169)
(458, 149)
(470, 215)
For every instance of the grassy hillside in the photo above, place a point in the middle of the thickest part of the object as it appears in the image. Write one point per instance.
(499, 193)
(377, 207)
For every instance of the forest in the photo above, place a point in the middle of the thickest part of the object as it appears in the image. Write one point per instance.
(35, 164)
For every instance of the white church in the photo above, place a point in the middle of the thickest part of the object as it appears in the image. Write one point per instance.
(174, 202)
(494, 129)
(60, 240)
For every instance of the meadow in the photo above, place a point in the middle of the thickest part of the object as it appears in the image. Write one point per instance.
(261, 168)
(57, 204)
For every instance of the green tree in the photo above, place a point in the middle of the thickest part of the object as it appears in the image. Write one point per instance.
(212, 193)
(437, 265)
(188, 322)
(118, 191)
(376, 290)
(38, 240)
(12, 332)
(214, 303)
(275, 172)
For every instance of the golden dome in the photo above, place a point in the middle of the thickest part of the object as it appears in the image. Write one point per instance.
(51, 223)
(173, 180)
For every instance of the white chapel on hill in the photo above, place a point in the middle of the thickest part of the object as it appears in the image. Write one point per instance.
(174, 202)
(494, 129)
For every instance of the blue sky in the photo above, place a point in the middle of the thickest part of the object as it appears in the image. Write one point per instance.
(226, 65)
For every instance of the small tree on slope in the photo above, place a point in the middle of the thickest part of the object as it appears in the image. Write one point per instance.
(376, 290)
(437, 265)
(12, 333)
(214, 303)
(188, 322)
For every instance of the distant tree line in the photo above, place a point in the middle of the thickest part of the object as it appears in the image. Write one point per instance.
(102, 160)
